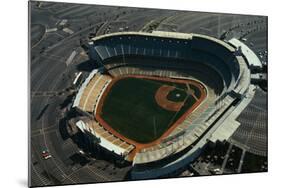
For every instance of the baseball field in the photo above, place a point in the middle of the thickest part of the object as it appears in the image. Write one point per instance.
(142, 109)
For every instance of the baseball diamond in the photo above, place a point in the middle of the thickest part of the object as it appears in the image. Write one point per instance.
(134, 109)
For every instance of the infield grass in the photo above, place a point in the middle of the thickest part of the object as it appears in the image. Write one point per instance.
(131, 110)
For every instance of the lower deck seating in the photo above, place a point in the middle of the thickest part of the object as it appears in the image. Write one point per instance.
(92, 91)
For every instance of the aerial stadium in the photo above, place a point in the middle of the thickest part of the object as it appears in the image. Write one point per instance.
(126, 93)
(156, 99)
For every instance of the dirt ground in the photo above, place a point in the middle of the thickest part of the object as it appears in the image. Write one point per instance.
(161, 99)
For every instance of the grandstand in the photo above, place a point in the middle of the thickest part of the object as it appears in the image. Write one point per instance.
(93, 87)
(105, 138)
(220, 69)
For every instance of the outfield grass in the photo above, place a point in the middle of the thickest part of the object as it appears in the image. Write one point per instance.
(131, 110)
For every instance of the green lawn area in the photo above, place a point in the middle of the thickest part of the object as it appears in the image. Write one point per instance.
(131, 110)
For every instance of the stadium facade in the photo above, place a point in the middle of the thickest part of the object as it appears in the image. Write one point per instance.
(223, 68)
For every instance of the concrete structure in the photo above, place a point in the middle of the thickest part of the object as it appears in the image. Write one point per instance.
(249, 55)
(215, 63)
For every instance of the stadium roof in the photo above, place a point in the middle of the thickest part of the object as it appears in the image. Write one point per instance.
(251, 57)
(165, 34)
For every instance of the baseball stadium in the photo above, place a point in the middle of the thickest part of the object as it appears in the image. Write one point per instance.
(155, 99)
